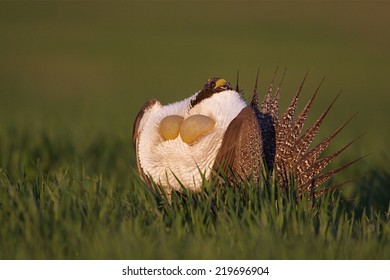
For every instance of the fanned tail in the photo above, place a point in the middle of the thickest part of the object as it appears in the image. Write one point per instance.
(292, 158)
(325, 177)
(308, 165)
(275, 100)
(266, 105)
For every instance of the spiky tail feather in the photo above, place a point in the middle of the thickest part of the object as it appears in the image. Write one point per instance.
(286, 148)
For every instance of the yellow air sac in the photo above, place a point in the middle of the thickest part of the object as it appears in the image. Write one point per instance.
(195, 127)
(170, 127)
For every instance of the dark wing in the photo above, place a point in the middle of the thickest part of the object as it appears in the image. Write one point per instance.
(136, 133)
(240, 152)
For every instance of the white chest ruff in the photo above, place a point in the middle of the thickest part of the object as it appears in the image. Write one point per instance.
(174, 162)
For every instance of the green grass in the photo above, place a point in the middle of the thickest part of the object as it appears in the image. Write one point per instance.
(96, 207)
(73, 76)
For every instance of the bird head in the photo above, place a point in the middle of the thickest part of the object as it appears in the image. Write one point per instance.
(216, 85)
(212, 86)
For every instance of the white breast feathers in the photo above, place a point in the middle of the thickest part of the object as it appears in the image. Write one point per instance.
(171, 163)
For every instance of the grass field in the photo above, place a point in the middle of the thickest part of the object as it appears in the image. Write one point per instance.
(74, 75)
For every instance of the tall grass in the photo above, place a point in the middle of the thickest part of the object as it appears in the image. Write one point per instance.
(70, 211)
(74, 75)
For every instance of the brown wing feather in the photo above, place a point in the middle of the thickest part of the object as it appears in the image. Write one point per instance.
(136, 133)
(240, 152)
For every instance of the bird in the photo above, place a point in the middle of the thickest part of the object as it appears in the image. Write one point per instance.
(215, 131)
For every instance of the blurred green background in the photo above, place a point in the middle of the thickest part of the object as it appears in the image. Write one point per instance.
(73, 76)
(76, 70)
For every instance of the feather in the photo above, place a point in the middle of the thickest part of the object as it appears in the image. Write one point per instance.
(240, 150)
(250, 141)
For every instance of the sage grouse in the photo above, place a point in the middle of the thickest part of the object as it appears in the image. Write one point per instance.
(181, 144)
